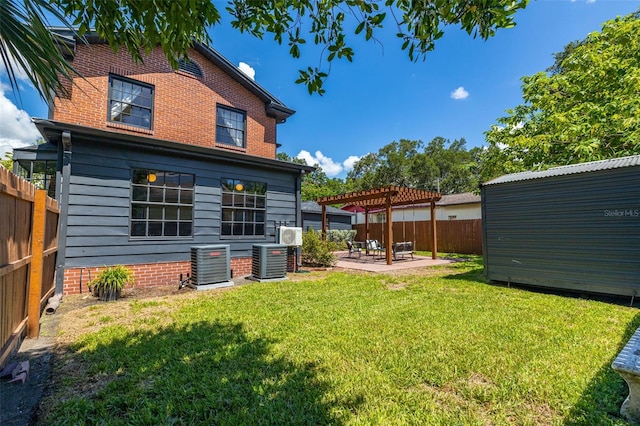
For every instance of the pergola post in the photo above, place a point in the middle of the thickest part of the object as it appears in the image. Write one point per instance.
(324, 222)
(434, 238)
(389, 231)
(366, 229)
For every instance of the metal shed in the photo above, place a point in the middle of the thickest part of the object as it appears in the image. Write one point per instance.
(573, 227)
(312, 217)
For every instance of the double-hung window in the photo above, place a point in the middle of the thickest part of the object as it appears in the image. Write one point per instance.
(230, 126)
(161, 204)
(243, 208)
(130, 102)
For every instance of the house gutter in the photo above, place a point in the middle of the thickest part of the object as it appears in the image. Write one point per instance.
(51, 130)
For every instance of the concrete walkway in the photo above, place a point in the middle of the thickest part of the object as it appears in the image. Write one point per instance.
(19, 401)
(379, 264)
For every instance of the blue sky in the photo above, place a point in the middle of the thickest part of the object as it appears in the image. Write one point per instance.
(382, 96)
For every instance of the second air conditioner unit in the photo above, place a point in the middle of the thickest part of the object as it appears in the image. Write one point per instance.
(269, 262)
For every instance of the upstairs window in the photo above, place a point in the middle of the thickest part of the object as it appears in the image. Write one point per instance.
(230, 126)
(243, 208)
(130, 102)
(161, 204)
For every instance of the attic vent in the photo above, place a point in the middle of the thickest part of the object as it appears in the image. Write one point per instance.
(190, 67)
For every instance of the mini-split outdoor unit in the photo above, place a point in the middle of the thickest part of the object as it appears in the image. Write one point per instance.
(269, 262)
(290, 236)
(210, 267)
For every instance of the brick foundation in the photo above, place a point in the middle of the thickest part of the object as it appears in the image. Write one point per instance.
(291, 262)
(147, 275)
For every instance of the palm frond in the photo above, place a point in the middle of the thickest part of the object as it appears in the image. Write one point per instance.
(27, 43)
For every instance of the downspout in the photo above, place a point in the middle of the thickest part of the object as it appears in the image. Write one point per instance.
(64, 210)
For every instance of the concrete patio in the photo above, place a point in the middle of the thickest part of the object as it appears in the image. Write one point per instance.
(378, 263)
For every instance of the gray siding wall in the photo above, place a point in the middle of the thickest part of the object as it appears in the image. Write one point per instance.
(314, 220)
(99, 204)
(578, 232)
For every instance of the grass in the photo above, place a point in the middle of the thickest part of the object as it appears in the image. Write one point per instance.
(344, 348)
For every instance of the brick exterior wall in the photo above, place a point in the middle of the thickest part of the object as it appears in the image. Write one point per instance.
(148, 274)
(184, 105)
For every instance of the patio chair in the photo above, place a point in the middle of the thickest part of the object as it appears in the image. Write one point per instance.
(374, 247)
(402, 248)
(354, 249)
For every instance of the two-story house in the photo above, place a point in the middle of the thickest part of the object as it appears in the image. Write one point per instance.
(150, 161)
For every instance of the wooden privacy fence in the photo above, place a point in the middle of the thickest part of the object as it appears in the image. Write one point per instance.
(453, 236)
(28, 246)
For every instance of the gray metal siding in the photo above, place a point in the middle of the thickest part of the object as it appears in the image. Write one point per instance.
(578, 232)
(99, 204)
(314, 220)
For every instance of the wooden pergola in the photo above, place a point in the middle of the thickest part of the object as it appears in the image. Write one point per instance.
(387, 197)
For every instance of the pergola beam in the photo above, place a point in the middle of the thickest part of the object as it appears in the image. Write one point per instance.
(378, 197)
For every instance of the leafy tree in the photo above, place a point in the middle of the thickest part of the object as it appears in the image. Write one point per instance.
(442, 165)
(395, 162)
(140, 25)
(456, 168)
(315, 184)
(283, 156)
(7, 162)
(363, 174)
(585, 107)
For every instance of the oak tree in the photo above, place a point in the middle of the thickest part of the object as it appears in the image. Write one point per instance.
(585, 107)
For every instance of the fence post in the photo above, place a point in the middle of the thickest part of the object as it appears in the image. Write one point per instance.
(37, 260)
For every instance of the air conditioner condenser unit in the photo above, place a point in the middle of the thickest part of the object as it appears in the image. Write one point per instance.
(269, 262)
(210, 267)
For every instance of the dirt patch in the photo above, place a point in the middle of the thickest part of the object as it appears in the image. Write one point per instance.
(472, 394)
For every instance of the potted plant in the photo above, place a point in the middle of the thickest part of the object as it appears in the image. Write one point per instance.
(110, 281)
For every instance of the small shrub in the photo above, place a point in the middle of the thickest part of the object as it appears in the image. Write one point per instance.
(110, 282)
(316, 252)
(341, 236)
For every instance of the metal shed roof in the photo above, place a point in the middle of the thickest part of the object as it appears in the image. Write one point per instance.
(313, 207)
(593, 166)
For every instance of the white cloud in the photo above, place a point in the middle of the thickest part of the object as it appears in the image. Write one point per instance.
(349, 162)
(329, 167)
(459, 93)
(18, 71)
(16, 130)
(246, 68)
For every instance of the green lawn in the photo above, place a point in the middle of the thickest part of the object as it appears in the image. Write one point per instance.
(441, 348)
